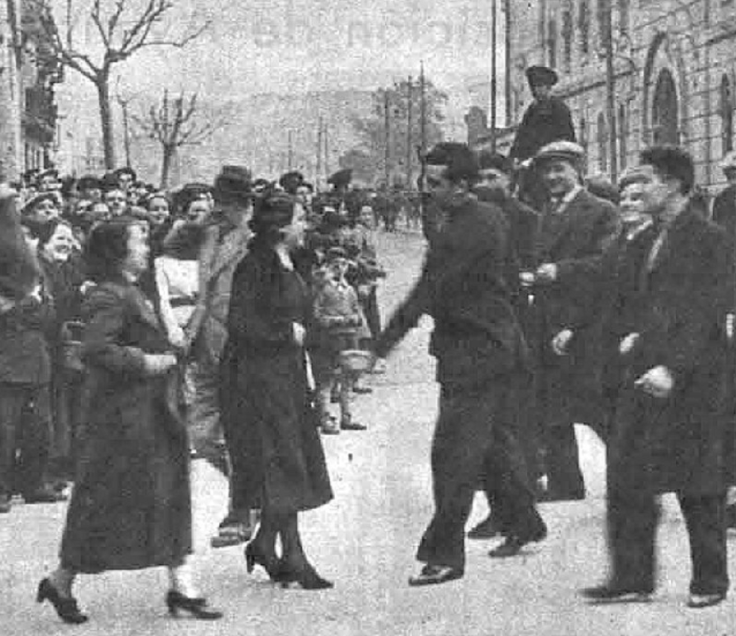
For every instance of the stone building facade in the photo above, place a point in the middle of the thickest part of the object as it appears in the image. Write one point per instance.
(28, 75)
(674, 73)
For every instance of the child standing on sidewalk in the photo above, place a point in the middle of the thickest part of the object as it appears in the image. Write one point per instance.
(337, 319)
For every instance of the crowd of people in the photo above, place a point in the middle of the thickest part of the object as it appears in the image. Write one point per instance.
(139, 327)
(126, 356)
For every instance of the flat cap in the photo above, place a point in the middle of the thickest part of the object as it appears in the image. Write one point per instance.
(729, 161)
(564, 150)
(541, 76)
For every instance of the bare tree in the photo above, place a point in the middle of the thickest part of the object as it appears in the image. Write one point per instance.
(175, 122)
(121, 28)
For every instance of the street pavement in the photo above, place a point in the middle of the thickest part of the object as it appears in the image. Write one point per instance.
(365, 541)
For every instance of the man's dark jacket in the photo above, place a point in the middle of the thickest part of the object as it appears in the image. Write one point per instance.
(575, 240)
(543, 122)
(462, 286)
(678, 308)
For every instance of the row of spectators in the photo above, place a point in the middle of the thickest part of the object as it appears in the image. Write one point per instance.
(57, 216)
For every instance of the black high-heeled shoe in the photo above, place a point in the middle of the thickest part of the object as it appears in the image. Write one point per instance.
(304, 574)
(66, 608)
(197, 607)
(254, 554)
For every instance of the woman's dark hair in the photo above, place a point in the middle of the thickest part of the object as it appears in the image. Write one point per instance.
(107, 248)
(272, 212)
(185, 241)
(44, 230)
(672, 162)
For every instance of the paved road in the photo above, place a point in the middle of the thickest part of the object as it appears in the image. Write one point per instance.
(365, 540)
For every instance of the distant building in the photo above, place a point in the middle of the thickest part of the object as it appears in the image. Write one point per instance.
(675, 73)
(28, 75)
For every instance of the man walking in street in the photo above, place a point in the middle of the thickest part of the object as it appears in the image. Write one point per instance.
(479, 349)
(575, 230)
(672, 291)
(494, 186)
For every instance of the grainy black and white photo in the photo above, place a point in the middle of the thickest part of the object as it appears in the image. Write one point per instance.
(340, 318)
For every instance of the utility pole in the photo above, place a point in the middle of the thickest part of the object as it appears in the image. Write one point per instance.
(409, 103)
(610, 87)
(387, 139)
(327, 155)
(507, 59)
(422, 123)
(319, 153)
(124, 102)
(290, 156)
(494, 75)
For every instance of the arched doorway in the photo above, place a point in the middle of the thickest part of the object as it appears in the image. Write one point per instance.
(665, 127)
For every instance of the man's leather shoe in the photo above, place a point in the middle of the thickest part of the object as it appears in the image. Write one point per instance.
(362, 390)
(4, 504)
(612, 593)
(699, 601)
(731, 516)
(486, 529)
(515, 542)
(349, 425)
(550, 496)
(45, 494)
(434, 575)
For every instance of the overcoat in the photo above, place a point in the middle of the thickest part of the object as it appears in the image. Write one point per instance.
(131, 505)
(476, 337)
(678, 306)
(223, 249)
(724, 211)
(575, 240)
(266, 395)
(541, 124)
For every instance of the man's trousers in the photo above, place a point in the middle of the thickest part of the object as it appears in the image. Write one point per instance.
(463, 439)
(25, 437)
(632, 523)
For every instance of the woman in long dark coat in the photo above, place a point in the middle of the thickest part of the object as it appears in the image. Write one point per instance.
(131, 505)
(278, 448)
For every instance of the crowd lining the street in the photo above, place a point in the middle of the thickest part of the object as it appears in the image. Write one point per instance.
(139, 327)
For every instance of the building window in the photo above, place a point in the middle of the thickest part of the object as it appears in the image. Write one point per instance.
(567, 39)
(552, 43)
(665, 120)
(583, 135)
(584, 27)
(726, 112)
(623, 16)
(623, 132)
(602, 138)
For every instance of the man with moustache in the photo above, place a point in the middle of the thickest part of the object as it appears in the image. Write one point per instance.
(575, 230)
